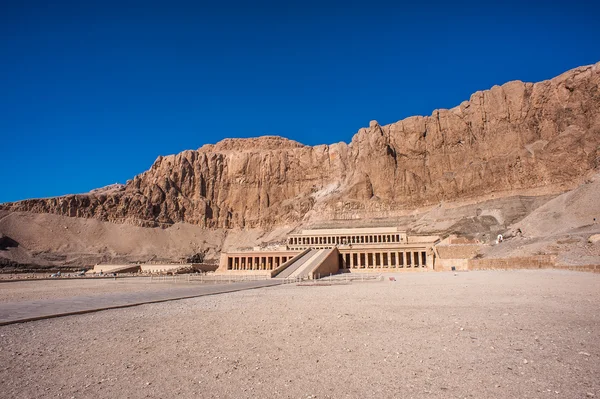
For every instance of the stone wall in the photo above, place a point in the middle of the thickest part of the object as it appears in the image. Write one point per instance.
(532, 262)
(529, 262)
(445, 265)
(329, 265)
(464, 251)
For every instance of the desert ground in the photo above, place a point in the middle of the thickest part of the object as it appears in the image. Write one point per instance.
(488, 334)
(34, 290)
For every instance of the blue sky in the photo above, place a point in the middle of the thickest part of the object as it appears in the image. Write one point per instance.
(92, 92)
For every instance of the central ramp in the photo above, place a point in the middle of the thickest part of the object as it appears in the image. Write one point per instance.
(312, 264)
(291, 269)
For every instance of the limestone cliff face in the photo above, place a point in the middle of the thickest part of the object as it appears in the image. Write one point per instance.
(511, 137)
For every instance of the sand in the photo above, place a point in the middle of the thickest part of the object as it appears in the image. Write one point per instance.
(64, 288)
(493, 334)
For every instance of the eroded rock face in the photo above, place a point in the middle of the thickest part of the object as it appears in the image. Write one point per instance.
(512, 137)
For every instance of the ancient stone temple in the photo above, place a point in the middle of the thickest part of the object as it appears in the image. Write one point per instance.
(315, 252)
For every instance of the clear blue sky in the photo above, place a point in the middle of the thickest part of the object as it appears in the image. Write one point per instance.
(92, 92)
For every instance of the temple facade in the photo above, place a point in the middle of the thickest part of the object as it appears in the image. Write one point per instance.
(328, 238)
(356, 250)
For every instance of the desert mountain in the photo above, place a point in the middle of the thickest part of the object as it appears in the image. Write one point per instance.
(515, 140)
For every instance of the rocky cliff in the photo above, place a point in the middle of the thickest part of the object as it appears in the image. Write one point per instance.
(512, 137)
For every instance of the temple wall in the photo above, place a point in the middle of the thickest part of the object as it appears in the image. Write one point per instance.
(464, 251)
(329, 265)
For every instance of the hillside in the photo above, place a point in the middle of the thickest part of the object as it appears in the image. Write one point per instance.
(521, 143)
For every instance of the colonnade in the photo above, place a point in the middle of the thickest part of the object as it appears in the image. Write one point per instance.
(345, 239)
(383, 259)
(269, 262)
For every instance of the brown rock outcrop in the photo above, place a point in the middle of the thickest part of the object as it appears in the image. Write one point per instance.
(512, 137)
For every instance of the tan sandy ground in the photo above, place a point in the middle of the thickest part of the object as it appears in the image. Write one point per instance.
(65, 288)
(517, 334)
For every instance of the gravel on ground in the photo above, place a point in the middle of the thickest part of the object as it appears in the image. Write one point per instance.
(488, 334)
